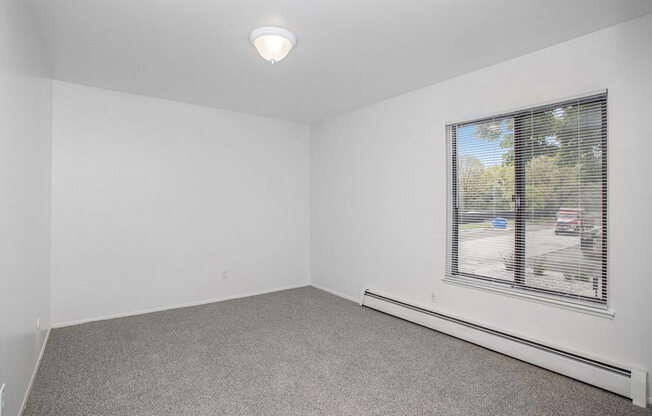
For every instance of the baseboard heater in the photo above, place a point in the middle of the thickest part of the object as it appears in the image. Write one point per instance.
(625, 381)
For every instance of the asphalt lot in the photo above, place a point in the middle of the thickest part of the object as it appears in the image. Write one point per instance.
(482, 251)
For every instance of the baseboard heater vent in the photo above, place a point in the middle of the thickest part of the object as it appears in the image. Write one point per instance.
(626, 381)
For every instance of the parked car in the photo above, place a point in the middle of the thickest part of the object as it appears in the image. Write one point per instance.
(591, 243)
(573, 221)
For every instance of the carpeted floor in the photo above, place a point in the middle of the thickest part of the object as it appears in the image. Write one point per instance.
(295, 352)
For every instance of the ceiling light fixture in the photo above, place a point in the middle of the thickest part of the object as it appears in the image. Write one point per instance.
(273, 43)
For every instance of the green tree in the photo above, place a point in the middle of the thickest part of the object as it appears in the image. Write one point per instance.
(499, 182)
(562, 152)
(470, 183)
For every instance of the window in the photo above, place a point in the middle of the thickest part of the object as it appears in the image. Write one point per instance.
(528, 200)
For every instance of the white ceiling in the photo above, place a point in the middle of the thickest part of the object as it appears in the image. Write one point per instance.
(349, 52)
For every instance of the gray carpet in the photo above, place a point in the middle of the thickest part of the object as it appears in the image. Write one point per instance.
(296, 352)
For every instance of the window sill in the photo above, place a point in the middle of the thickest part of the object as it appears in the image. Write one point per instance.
(600, 311)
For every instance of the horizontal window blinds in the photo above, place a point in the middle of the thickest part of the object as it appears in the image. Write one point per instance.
(527, 199)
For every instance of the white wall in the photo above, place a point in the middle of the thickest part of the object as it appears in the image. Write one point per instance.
(153, 199)
(25, 114)
(379, 185)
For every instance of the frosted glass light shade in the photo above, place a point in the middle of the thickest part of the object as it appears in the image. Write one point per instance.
(273, 43)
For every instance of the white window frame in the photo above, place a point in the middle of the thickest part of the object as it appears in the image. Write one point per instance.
(599, 307)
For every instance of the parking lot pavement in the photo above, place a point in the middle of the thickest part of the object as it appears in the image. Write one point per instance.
(490, 243)
(482, 251)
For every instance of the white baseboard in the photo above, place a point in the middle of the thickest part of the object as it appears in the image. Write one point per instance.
(626, 380)
(176, 306)
(33, 377)
(333, 292)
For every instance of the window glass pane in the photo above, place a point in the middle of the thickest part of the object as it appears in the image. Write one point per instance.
(485, 210)
(529, 199)
(563, 209)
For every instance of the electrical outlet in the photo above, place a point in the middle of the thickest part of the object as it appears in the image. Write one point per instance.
(2, 398)
(225, 274)
(38, 322)
(433, 297)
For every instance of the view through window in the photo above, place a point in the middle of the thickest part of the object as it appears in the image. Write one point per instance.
(528, 199)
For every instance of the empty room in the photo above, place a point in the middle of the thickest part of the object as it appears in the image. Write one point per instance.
(294, 207)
